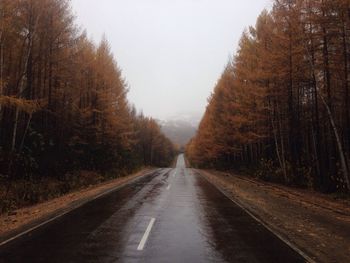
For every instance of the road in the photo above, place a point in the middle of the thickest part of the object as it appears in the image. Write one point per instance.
(172, 215)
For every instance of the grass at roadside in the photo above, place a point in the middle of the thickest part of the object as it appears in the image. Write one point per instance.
(316, 223)
(26, 192)
(17, 218)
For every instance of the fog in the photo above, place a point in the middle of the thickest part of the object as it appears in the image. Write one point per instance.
(171, 51)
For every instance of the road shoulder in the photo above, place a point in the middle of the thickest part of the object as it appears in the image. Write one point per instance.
(25, 219)
(321, 227)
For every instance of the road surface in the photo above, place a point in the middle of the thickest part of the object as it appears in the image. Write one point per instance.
(172, 215)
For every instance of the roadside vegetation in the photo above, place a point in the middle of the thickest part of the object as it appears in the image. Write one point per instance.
(65, 121)
(282, 105)
(316, 223)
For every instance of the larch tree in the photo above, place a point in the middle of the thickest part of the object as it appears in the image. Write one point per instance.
(286, 105)
(63, 99)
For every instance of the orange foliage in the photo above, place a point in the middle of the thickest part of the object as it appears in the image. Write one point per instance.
(284, 97)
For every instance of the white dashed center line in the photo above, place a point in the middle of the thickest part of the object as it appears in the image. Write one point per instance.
(146, 234)
(168, 187)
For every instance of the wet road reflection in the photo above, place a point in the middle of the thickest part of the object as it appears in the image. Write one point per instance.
(192, 222)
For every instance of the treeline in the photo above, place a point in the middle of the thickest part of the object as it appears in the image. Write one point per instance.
(63, 104)
(282, 104)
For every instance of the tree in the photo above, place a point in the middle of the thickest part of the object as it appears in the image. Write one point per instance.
(286, 98)
(63, 100)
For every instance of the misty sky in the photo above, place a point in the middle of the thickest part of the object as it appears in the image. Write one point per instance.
(171, 51)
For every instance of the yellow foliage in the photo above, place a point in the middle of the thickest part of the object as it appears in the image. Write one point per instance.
(27, 106)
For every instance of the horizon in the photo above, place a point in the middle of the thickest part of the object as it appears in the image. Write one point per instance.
(185, 45)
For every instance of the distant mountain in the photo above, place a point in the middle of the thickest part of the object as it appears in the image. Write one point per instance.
(181, 128)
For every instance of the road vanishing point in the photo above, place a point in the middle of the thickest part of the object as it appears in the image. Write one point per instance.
(169, 215)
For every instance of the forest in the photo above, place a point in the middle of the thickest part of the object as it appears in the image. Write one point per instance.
(63, 105)
(282, 105)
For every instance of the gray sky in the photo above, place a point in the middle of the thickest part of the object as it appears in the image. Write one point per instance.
(171, 51)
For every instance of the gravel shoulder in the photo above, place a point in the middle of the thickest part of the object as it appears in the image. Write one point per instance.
(25, 218)
(315, 223)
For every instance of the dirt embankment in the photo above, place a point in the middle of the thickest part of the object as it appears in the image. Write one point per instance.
(313, 222)
(25, 217)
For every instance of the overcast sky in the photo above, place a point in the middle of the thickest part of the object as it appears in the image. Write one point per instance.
(171, 51)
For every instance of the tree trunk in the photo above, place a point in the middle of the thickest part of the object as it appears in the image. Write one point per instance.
(346, 85)
(25, 132)
(341, 153)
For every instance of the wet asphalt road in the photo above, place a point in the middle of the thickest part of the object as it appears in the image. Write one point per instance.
(172, 215)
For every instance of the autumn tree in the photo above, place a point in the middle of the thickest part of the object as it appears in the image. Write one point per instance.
(286, 105)
(63, 99)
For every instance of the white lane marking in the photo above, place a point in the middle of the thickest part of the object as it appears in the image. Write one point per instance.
(168, 187)
(146, 234)
(76, 207)
(174, 174)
